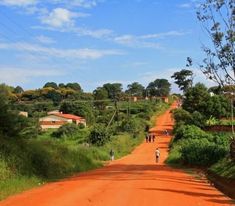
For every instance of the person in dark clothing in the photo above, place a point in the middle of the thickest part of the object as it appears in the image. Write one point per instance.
(153, 137)
(111, 154)
(150, 137)
(147, 137)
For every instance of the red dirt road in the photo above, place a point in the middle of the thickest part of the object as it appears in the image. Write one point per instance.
(135, 180)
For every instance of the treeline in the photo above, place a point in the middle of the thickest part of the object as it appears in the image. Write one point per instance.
(58, 92)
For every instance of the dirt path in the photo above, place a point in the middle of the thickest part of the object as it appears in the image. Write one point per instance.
(135, 180)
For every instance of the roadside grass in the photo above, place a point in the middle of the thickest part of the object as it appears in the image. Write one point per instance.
(224, 168)
(16, 184)
(49, 160)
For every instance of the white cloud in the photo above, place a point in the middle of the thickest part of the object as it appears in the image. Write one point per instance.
(82, 3)
(185, 5)
(163, 35)
(16, 76)
(59, 53)
(67, 3)
(94, 33)
(45, 40)
(18, 2)
(99, 33)
(59, 17)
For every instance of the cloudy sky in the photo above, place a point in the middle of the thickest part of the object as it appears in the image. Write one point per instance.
(93, 42)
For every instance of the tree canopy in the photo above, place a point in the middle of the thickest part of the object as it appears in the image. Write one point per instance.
(135, 89)
(159, 87)
(184, 79)
(114, 90)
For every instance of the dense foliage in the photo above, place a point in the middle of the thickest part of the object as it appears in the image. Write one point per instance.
(194, 146)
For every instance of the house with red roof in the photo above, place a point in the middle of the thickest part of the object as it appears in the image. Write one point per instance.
(56, 120)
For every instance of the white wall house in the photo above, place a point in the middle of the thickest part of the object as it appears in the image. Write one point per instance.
(55, 121)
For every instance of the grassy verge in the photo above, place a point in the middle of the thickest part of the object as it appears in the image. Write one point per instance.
(50, 160)
(224, 168)
(16, 184)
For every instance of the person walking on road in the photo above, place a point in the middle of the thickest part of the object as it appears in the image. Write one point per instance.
(153, 137)
(147, 137)
(150, 137)
(111, 154)
(157, 154)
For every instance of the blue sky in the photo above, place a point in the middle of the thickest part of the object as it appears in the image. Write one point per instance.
(93, 42)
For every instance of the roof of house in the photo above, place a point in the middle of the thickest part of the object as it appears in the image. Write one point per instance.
(68, 116)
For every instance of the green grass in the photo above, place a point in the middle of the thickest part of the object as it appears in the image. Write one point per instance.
(50, 160)
(224, 168)
(174, 158)
(16, 184)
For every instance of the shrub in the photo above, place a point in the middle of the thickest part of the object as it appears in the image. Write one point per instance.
(99, 135)
(190, 132)
(5, 172)
(201, 152)
(67, 130)
(133, 126)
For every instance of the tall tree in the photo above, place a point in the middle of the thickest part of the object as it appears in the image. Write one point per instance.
(218, 20)
(159, 87)
(135, 89)
(18, 90)
(51, 84)
(100, 95)
(114, 90)
(75, 86)
(184, 79)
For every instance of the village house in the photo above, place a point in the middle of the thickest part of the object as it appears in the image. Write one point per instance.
(56, 120)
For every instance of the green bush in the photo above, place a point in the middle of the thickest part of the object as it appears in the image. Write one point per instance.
(190, 132)
(99, 135)
(5, 172)
(133, 126)
(67, 130)
(201, 152)
(224, 168)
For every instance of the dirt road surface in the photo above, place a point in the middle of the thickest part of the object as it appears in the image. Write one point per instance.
(135, 180)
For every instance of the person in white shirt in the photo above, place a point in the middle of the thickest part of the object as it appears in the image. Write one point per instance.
(157, 154)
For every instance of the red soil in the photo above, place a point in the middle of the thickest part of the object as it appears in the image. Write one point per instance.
(135, 180)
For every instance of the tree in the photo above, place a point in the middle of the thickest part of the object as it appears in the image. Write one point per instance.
(51, 84)
(61, 85)
(99, 135)
(11, 123)
(218, 20)
(135, 89)
(159, 87)
(114, 90)
(196, 99)
(74, 86)
(18, 90)
(184, 79)
(82, 109)
(100, 95)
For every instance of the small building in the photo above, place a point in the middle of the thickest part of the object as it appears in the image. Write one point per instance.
(22, 113)
(56, 120)
(53, 112)
(165, 99)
